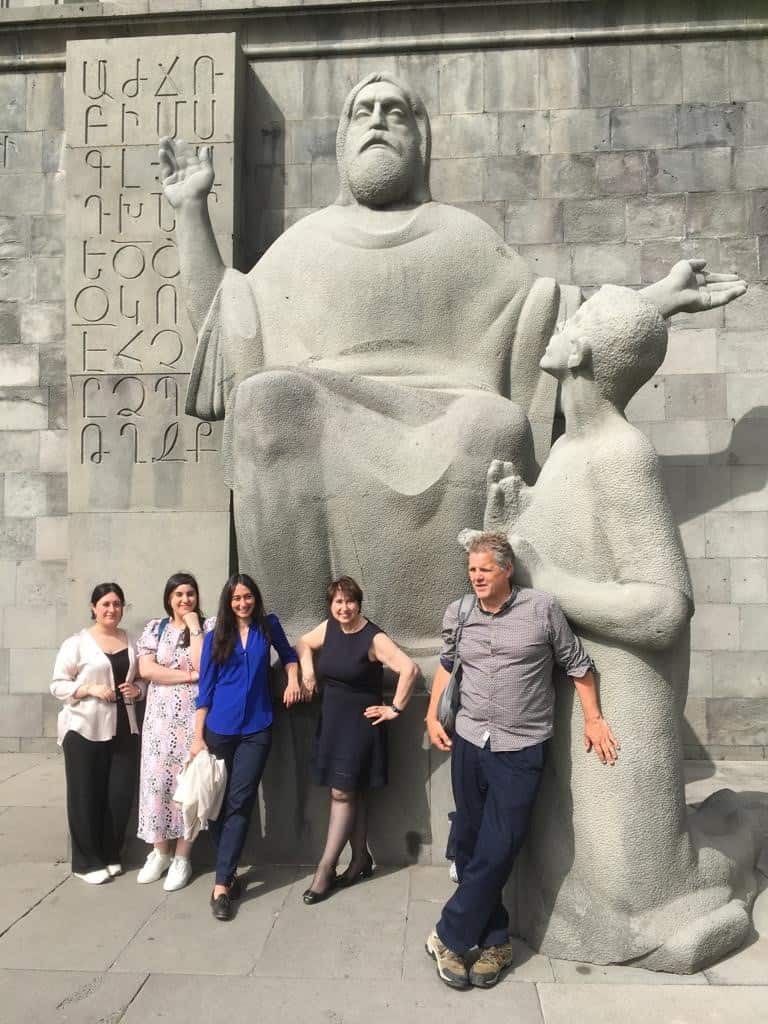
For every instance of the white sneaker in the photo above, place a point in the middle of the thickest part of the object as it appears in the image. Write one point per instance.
(97, 877)
(154, 868)
(113, 870)
(179, 874)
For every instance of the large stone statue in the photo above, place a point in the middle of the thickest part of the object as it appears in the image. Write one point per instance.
(368, 368)
(614, 869)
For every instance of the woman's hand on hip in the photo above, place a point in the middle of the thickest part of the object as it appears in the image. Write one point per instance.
(378, 713)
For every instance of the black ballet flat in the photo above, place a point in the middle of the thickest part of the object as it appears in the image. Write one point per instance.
(347, 878)
(221, 907)
(311, 897)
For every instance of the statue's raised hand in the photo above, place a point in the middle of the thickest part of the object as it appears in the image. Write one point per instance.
(506, 495)
(186, 175)
(689, 288)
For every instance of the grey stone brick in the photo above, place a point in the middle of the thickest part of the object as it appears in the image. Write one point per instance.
(53, 364)
(733, 670)
(740, 255)
(695, 722)
(750, 167)
(524, 131)
(711, 580)
(312, 141)
(53, 153)
(657, 73)
(279, 187)
(325, 184)
(23, 153)
(35, 494)
(621, 173)
(42, 323)
(749, 489)
(511, 177)
(749, 582)
(568, 176)
(279, 85)
(710, 125)
(420, 70)
(22, 631)
(564, 78)
(705, 72)
(40, 583)
(19, 450)
(511, 79)
(16, 279)
(38, 745)
(458, 180)
(742, 752)
(492, 213)
(49, 278)
(53, 451)
(465, 135)
(681, 442)
(717, 214)
(606, 264)
(655, 217)
(609, 76)
(45, 100)
(9, 323)
(700, 676)
(747, 396)
(749, 443)
(550, 261)
(742, 351)
(21, 715)
(705, 249)
(695, 396)
(594, 220)
(649, 403)
(326, 84)
(658, 255)
(47, 236)
(23, 193)
(461, 82)
(580, 131)
(13, 103)
(738, 721)
(691, 352)
(756, 123)
(30, 670)
(14, 237)
(762, 249)
(690, 170)
(737, 535)
(17, 538)
(715, 627)
(748, 69)
(693, 535)
(758, 221)
(23, 408)
(52, 539)
(750, 311)
(54, 192)
(19, 365)
(643, 127)
(533, 221)
(57, 407)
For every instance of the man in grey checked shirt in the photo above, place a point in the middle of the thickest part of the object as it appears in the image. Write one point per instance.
(511, 640)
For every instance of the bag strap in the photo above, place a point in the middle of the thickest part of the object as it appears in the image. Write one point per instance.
(162, 628)
(463, 616)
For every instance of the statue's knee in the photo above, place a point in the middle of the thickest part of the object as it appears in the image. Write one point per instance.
(275, 409)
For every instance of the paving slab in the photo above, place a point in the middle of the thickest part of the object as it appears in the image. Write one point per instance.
(570, 972)
(207, 1000)
(431, 883)
(33, 835)
(181, 936)
(24, 886)
(80, 926)
(40, 785)
(50, 997)
(14, 764)
(357, 933)
(669, 1004)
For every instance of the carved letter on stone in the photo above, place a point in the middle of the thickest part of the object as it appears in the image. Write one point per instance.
(96, 454)
(134, 407)
(131, 430)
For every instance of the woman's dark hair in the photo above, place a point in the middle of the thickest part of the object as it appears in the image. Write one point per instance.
(225, 633)
(180, 579)
(348, 587)
(102, 589)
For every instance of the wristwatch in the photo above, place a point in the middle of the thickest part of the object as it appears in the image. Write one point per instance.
(195, 632)
(395, 708)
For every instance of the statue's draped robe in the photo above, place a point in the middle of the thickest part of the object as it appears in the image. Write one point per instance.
(367, 379)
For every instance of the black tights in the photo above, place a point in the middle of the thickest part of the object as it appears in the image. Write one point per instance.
(348, 823)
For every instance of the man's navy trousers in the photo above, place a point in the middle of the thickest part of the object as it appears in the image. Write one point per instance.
(494, 793)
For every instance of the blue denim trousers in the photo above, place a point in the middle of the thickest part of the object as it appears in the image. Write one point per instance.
(494, 794)
(245, 758)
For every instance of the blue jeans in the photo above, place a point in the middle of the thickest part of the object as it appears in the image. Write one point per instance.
(494, 794)
(245, 758)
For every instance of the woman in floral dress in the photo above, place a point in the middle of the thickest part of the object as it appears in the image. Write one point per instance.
(169, 659)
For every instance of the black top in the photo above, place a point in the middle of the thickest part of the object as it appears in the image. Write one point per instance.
(120, 665)
(344, 658)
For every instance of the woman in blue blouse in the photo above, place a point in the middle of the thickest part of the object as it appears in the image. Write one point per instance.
(234, 717)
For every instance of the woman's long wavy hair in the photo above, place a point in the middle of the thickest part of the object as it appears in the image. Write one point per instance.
(225, 633)
(180, 579)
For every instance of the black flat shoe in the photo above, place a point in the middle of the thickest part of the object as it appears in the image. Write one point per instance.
(235, 889)
(221, 907)
(311, 897)
(347, 878)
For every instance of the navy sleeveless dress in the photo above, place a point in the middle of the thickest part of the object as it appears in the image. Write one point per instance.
(349, 753)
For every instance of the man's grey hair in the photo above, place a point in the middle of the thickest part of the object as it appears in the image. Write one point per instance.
(488, 540)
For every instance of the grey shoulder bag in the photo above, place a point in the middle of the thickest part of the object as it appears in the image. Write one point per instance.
(450, 698)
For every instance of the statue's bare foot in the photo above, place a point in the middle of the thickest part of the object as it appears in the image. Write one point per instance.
(505, 495)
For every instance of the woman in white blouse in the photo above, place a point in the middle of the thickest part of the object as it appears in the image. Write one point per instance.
(94, 677)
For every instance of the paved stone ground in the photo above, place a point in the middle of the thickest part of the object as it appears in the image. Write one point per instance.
(128, 953)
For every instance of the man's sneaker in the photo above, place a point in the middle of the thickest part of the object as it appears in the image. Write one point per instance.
(488, 967)
(179, 873)
(154, 868)
(450, 966)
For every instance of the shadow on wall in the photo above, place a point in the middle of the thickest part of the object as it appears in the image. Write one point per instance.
(263, 186)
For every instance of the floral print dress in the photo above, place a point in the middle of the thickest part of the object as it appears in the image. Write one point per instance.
(166, 737)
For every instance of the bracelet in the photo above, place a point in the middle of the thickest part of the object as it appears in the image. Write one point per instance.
(395, 708)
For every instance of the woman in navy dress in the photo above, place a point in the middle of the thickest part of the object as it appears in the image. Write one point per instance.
(234, 717)
(350, 755)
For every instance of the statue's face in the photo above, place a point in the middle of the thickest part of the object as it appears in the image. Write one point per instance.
(381, 153)
(563, 346)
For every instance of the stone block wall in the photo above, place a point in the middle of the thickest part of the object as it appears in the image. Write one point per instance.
(601, 163)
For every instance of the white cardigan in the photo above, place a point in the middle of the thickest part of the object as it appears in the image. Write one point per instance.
(80, 660)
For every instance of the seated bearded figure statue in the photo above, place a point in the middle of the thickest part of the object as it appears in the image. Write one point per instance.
(615, 869)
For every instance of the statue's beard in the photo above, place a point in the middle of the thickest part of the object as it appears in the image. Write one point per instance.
(379, 177)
